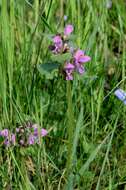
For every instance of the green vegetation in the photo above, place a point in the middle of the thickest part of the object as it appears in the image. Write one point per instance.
(99, 144)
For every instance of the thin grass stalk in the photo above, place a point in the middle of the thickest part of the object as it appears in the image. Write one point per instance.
(70, 132)
(123, 78)
(11, 53)
(106, 155)
(7, 23)
(3, 67)
(36, 10)
(62, 12)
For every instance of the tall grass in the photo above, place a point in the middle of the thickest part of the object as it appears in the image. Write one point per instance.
(97, 147)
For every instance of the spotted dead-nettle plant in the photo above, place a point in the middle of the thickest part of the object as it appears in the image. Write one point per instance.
(67, 60)
(65, 57)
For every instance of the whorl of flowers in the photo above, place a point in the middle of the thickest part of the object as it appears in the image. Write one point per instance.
(25, 135)
(61, 46)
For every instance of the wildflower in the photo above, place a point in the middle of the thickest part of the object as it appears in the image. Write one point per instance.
(44, 132)
(35, 129)
(6, 142)
(79, 59)
(69, 68)
(68, 30)
(4, 133)
(31, 139)
(121, 95)
(57, 40)
(58, 44)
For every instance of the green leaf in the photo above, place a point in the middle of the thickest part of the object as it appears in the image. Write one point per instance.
(48, 69)
(61, 58)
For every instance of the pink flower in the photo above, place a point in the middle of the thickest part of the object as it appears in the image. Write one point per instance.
(57, 40)
(31, 140)
(6, 142)
(4, 133)
(35, 128)
(58, 44)
(80, 69)
(69, 68)
(79, 59)
(68, 30)
(44, 132)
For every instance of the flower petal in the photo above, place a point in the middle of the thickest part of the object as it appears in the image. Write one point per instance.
(121, 95)
(31, 139)
(69, 66)
(69, 77)
(68, 30)
(84, 59)
(44, 132)
(78, 54)
(81, 69)
(57, 39)
(4, 133)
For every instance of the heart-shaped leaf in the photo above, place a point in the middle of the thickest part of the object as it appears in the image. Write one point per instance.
(48, 69)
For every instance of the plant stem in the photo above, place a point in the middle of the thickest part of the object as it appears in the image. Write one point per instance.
(70, 132)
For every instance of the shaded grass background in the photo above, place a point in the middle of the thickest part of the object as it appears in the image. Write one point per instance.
(25, 28)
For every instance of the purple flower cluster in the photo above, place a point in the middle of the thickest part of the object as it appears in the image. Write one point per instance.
(24, 135)
(78, 57)
(9, 138)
